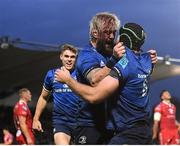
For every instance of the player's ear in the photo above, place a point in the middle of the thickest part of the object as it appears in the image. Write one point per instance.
(61, 57)
(94, 33)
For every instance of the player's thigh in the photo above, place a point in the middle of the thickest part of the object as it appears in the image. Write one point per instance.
(62, 138)
(62, 133)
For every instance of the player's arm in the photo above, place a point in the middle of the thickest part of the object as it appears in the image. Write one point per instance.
(97, 74)
(157, 117)
(41, 104)
(92, 94)
(24, 129)
(155, 129)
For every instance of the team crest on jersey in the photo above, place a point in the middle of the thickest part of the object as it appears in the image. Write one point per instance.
(65, 86)
(171, 111)
(102, 63)
(123, 61)
(24, 108)
(82, 140)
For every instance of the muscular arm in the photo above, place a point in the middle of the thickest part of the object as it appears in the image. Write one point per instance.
(41, 104)
(96, 75)
(94, 94)
(24, 129)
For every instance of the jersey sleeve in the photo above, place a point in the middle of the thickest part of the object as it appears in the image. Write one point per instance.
(22, 110)
(147, 62)
(48, 80)
(157, 116)
(120, 70)
(115, 73)
(157, 113)
(157, 109)
(86, 62)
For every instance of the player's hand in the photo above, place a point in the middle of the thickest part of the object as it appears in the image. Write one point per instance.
(153, 55)
(62, 75)
(37, 125)
(119, 50)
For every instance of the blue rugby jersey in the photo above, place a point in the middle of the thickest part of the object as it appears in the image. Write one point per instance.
(132, 103)
(90, 114)
(65, 102)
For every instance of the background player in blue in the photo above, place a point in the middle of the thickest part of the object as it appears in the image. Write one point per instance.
(128, 113)
(64, 100)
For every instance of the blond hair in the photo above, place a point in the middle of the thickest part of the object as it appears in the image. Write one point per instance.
(104, 19)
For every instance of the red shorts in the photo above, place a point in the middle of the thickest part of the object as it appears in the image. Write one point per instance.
(20, 138)
(169, 137)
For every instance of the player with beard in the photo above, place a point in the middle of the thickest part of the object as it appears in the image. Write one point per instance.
(93, 64)
(128, 109)
(91, 67)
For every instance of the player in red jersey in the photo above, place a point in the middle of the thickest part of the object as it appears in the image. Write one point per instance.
(23, 118)
(165, 119)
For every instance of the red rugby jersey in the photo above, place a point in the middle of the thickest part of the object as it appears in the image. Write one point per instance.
(21, 109)
(168, 115)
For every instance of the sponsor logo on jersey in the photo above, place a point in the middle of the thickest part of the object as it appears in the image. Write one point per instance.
(63, 90)
(123, 61)
(142, 76)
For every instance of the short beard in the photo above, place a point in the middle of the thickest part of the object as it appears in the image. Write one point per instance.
(103, 49)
